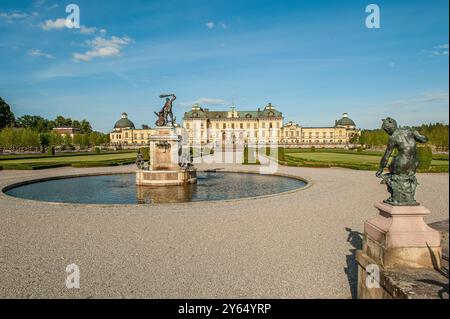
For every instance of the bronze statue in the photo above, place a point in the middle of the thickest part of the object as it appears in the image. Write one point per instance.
(166, 111)
(401, 180)
(140, 163)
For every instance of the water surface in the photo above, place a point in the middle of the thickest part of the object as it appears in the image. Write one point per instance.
(121, 189)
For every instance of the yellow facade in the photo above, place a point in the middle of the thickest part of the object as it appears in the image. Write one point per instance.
(237, 127)
(338, 136)
(263, 126)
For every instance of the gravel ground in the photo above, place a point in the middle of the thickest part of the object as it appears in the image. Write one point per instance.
(293, 245)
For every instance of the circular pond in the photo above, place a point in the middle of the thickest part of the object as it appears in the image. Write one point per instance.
(121, 189)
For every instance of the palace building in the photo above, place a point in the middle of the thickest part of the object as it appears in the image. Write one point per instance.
(341, 135)
(124, 133)
(260, 126)
(205, 127)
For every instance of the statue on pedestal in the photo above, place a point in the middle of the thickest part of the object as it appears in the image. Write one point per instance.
(401, 180)
(166, 111)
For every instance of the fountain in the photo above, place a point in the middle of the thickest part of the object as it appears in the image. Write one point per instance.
(170, 161)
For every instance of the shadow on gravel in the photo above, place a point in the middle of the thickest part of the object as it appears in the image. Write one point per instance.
(355, 239)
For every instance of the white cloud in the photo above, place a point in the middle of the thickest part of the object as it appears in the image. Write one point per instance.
(39, 53)
(441, 49)
(434, 96)
(54, 24)
(204, 101)
(442, 46)
(224, 26)
(103, 48)
(210, 25)
(13, 16)
(87, 30)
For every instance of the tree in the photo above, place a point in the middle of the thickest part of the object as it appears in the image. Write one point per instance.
(85, 127)
(35, 122)
(29, 138)
(44, 139)
(6, 115)
(78, 140)
(62, 121)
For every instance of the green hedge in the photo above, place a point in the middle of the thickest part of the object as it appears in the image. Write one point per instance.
(146, 152)
(51, 150)
(36, 166)
(425, 157)
(250, 158)
(31, 156)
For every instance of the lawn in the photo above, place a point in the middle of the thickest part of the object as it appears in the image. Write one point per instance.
(356, 160)
(75, 159)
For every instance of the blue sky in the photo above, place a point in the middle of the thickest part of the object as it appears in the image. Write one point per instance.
(314, 60)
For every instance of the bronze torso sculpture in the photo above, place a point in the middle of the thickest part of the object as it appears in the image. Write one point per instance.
(401, 180)
(166, 111)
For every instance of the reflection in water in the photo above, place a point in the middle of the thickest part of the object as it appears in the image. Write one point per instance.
(163, 194)
(121, 189)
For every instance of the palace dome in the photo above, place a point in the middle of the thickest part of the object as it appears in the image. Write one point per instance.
(124, 122)
(345, 121)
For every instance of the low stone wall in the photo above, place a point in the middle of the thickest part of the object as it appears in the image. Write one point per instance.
(405, 283)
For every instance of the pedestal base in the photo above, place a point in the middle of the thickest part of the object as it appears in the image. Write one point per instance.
(399, 237)
(399, 250)
(166, 177)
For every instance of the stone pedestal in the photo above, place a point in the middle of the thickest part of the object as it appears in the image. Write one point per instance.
(399, 237)
(396, 241)
(164, 167)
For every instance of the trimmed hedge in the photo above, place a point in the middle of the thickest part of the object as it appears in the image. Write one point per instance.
(51, 150)
(250, 158)
(146, 152)
(36, 166)
(425, 157)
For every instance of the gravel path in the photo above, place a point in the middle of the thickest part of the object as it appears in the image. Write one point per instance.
(293, 245)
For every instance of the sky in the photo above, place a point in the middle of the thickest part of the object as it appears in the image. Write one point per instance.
(313, 60)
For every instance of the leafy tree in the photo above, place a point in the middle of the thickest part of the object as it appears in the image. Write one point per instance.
(68, 141)
(78, 139)
(62, 121)
(56, 139)
(6, 115)
(35, 122)
(85, 127)
(44, 139)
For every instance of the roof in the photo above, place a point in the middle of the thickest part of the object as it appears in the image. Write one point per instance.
(207, 114)
(124, 123)
(345, 120)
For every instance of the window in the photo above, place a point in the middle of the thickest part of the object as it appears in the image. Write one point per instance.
(241, 125)
(224, 126)
(217, 126)
(248, 115)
